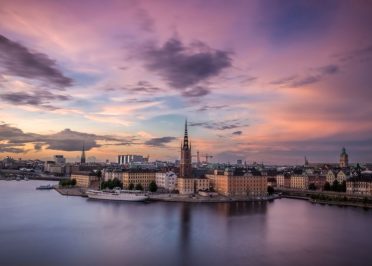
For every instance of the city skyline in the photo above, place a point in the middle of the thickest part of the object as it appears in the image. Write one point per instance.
(263, 81)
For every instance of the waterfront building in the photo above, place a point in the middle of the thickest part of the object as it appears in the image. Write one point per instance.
(344, 159)
(238, 183)
(318, 180)
(300, 182)
(343, 175)
(166, 180)
(84, 179)
(283, 180)
(331, 176)
(138, 176)
(361, 185)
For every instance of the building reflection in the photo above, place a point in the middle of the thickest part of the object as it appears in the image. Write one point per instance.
(241, 208)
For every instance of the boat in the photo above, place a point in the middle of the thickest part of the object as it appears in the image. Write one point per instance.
(45, 187)
(118, 195)
(26, 179)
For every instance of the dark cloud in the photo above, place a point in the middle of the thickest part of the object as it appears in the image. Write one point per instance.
(239, 132)
(208, 107)
(316, 75)
(65, 140)
(38, 146)
(284, 81)
(224, 125)
(356, 54)
(11, 148)
(18, 60)
(38, 98)
(159, 142)
(144, 87)
(197, 91)
(184, 66)
(329, 70)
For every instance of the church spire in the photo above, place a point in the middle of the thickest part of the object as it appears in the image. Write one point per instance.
(82, 160)
(186, 137)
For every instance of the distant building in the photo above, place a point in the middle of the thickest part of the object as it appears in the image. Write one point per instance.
(82, 159)
(59, 159)
(131, 158)
(344, 159)
(166, 180)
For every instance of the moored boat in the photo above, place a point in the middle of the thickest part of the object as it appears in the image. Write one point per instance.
(45, 187)
(118, 195)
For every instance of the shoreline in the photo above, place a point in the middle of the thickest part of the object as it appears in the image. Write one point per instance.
(80, 192)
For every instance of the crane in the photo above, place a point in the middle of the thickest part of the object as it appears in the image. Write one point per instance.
(206, 156)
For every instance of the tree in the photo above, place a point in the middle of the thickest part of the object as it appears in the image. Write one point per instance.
(111, 184)
(334, 186)
(327, 186)
(270, 190)
(312, 186)
(73, 182)
(153, 187)
(131, 186)
(139, 187)
(342, 186)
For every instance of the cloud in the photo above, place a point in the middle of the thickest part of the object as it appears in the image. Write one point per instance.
(224, 125)
(356, 54)
(39, 98)
(184, 66)
(11, 148)
(18, 60)
(159, 142)
(195, 92)
(238, 133)
(316, 75)
(208, 107)
(65, 140)
(144, 87)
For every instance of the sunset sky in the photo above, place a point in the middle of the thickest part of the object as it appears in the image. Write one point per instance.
(265, 81)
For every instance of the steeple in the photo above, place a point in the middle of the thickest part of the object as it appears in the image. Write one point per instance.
(185, 138)
(82, 160)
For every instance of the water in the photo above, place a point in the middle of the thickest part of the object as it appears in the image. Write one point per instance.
(45, 228)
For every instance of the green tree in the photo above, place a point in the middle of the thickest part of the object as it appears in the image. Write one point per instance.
(335, 186)
(270, 190)
(327, 186)
(131, 186)
(139, 187)
(153, 187)
(312, 186)
(73, 182)
(342, 186)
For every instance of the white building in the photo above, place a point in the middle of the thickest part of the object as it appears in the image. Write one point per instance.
(131, 158)
(166, 180)
(59, 159)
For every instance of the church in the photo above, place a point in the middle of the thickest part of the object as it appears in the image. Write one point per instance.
(187, 183)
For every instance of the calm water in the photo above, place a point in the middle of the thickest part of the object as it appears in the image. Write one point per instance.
(44, 228)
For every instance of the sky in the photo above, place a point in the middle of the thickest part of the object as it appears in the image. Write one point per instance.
(262, 81)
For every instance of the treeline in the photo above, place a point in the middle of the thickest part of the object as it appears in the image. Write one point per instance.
(336, 186)
(113, 183)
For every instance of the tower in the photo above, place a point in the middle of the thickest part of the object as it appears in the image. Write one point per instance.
(185, 164)
(344, 158)
(82, 159)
